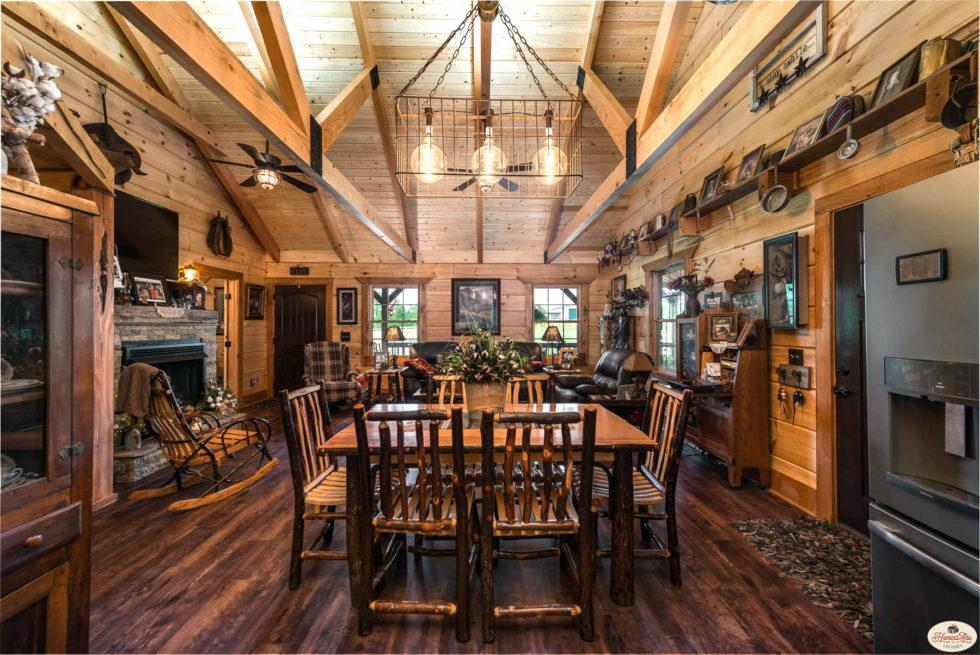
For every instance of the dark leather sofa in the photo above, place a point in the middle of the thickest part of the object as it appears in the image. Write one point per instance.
(431, 350)
(610, 373)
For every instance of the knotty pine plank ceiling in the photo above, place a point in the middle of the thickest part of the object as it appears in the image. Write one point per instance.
(403, 35)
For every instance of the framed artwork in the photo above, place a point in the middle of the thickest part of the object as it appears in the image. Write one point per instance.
(805, 135)
(674, 218)
(926, 266)
(713, 299)
(347, 306)
(219, 307)
(475, 305)
(897, 77)
(618, 288)
(624, 244)
(198, 296)
(659, 222)
(751, 163)
(150, 290)
(790, 63)
(784, 284)
(721, 327)
(710, 186)
(644, 232)
(748, 304)
(254, 302)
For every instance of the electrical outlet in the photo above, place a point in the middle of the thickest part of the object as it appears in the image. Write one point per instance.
(796, 356)
(253, 382)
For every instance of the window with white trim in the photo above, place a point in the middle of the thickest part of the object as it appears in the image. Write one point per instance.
(394, 306)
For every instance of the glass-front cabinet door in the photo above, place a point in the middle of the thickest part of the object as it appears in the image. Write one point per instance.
(35, 355)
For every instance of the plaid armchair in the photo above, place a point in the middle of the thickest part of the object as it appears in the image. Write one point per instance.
(328, 362)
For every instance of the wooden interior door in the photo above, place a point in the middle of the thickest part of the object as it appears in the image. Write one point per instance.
(849, 389)
(300, 319)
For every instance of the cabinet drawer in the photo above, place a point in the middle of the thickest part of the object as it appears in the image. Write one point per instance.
(23, 543)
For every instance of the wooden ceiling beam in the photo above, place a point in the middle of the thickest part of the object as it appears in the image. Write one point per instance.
(282, 61)
(42, 23)
(670, 31)
(335, 116)
(758, 32)
(613, 117)
(152, 60)
(256, 48)
(407, 211)
(175, 27)
(482, 49)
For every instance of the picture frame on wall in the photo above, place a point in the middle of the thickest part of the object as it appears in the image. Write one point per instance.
(897, 77)
(674, 217)
(714, 299)
(644, 232)
(617, 290)
(748, 304)
(709, 188)
(475, 305)
(750, 166)
(150, 290)
(805, 135)
(347, 306)
(723, 327)
(254, 302)
(785, 281)
(919, 267)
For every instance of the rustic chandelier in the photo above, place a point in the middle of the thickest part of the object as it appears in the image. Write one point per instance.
(460, 147)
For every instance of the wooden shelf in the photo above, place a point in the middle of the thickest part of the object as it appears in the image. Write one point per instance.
(728, 197)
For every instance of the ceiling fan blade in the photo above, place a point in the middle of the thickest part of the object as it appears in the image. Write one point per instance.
(299, 184)
(465, 185)
(250, 181)
(230, 163)
(519, 168)
(290, 169)
(256, 156)
(274, 161)
(508, 184)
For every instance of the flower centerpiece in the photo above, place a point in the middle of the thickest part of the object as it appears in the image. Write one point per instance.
(218, 401)
(485, 364)
(691, 284)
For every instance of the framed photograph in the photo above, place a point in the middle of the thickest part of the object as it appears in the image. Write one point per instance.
(721, 327)
(254, 302)
(927, 266)
(475, 305)
(150, 290)
(347, 306)
(674, 218)
(750, 166)
(805, 135)
(624, 244)
(644, 232)
(618, 288)
(710, 186)
(897, 77)
(748, 304)
(660, 222)
(714, 299)
(785, 281)
(198, 296)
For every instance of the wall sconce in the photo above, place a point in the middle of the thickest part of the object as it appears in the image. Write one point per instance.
(188, 274)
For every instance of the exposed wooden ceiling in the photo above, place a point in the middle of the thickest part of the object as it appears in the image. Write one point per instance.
(403, 35)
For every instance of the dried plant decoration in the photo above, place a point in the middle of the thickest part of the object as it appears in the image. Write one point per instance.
(29, 94)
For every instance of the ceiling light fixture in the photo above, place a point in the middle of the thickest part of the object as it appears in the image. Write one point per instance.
(550, 162)
(488, 162)
(428, 159)
(267, 178)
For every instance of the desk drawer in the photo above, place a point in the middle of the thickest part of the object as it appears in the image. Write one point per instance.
(25, 542)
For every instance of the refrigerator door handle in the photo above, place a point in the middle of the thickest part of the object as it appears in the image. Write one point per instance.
(950, 574)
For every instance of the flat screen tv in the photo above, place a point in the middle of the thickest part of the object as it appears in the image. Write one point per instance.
(147, 236)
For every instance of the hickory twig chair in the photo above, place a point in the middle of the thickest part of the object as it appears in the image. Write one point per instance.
(200, 454)
(533, 498)
(655, 477)
(449, 385)
(434, 500)
(319, 483)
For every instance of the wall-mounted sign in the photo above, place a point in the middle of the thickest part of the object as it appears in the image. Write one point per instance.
(299, 270)
(792, 61)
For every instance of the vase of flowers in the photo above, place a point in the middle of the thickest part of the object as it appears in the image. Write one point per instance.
(485, 364)
(691, 284)
(218, 401)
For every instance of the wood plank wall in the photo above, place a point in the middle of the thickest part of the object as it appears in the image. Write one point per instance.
(175, 179)
(863, 39)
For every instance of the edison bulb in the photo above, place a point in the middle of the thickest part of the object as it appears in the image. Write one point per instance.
(488, 163)
(428, 160)
(550, 162)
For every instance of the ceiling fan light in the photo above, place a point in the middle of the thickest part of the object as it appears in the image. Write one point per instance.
(550, 162)
(267, 178)
(428, 161)
(488, 163)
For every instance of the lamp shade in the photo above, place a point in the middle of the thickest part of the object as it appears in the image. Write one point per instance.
(394, 333)
(552, 334)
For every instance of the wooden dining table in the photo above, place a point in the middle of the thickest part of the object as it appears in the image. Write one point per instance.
(616, 441)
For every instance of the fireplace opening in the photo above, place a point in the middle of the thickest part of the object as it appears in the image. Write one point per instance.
(182, 360)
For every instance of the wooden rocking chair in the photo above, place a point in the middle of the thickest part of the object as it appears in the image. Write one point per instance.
(199, 455)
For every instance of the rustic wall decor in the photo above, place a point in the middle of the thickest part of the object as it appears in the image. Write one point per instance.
(475, 306)
(926, 266)
(785, 281)
(347, 306)
(254, 302)
(791, 62)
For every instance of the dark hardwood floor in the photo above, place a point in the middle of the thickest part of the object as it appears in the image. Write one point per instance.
(213, 580)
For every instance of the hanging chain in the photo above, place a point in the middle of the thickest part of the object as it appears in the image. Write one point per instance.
(514, 35)
(467, 22)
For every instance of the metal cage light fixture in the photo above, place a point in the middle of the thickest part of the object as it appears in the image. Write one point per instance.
(460, 147)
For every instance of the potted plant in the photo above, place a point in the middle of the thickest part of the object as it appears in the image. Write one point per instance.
(485, 364)
(691, 284)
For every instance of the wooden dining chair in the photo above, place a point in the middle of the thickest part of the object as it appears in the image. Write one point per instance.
(448, 387)
(319, 483)
(533, 498)
(534, 383)
(433, 499)
(228, 456)
(655, 477)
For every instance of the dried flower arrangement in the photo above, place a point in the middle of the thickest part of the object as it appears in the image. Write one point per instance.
(481, 358)
(29, 94)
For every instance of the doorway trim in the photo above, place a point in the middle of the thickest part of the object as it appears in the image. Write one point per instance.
(823, 230)
(235, 318)
(270, 313)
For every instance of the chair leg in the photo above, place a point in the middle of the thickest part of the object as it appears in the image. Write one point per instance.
(462, 581)
(587, 554)
(486, 580)
(295, 561)
(366, 591)
(675, 556)
(419, 543)
(328, 528)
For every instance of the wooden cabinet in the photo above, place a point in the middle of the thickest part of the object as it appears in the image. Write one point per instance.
(46, 290)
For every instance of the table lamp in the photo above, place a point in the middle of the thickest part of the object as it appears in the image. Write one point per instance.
(394, 333)
(553, 336)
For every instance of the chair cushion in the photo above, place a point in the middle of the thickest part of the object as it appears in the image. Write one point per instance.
(420, 366)
(586, 390)
(341, 390)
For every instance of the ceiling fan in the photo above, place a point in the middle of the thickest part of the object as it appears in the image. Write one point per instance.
(267, 169)
(510, 185)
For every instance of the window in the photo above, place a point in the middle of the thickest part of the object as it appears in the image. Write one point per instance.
(394, 306)
(556, 306)
(668, 304)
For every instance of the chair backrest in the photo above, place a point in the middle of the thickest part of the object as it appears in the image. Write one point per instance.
(554, 497)
(177, 440)
(666, 423)
(325, 360)
(532, 382)
(395, 462)
(306, 424)
(448, 386)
